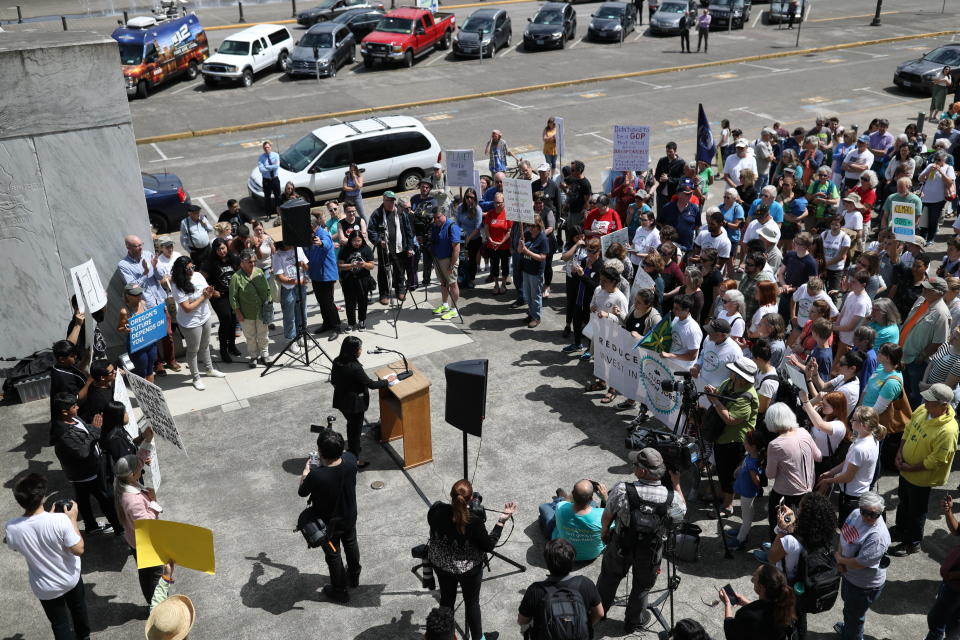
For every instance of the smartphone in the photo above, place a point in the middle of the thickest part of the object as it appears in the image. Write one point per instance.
(731, 594)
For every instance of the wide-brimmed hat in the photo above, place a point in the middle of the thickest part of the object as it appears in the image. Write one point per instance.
(743, 367)
(172, 619)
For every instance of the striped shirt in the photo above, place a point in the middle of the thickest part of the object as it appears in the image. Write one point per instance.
(943, 363)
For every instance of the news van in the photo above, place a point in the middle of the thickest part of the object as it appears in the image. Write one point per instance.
(153, 53)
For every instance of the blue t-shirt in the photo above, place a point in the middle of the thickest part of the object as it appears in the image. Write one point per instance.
(882, 384)
(776, 210)
(583, 532)
(540, 245)
(824, 358)
(869, 366)
(444, 238)
(743, 483)
(731, 214)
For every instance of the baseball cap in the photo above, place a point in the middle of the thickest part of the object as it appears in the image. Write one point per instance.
(192, 208)
(938, 393)
(164, 241)
(543, 167)
(743, 367)
(648, 458)
(686, 184)
(740, 143)
(864, 138)
(936, 284)
(133, 289)
(390, 194)
(718, 325)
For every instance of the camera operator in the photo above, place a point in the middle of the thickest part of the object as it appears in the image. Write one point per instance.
(332, 488)
(458, 544)
(392, 233)
(628, 547)
(577, 519)
(422, 206)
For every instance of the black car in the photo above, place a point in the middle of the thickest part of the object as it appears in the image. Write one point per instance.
(360, 21)
(328, 44)
(723, 12)
(612, 21)
(490, 29)
(918, 74)
(329, 9)
(167, 202)
(554, 24)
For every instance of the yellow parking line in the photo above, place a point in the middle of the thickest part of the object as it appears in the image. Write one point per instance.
(866, 15)
(250, 126)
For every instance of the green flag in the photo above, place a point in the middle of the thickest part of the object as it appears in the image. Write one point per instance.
(660, 338)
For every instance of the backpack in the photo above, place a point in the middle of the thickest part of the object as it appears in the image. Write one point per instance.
(645, 529)
(713, 425)
(818, 575)
(563, 613)
(786, 392)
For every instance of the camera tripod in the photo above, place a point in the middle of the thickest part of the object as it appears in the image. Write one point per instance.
(673, 583)
(386, 262)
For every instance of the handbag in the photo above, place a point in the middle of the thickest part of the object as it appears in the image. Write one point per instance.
(266, 311)
(315, 531)
(897, 414)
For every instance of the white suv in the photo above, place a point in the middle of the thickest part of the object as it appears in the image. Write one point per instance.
(393, 151)
(248, 52)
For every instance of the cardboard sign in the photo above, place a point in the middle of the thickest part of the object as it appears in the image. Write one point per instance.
(561, 136)
(518, 199)
(160, 541)
(631, 148)
(88, 287)
(147, 327)
(620, 235)
(154, 407)
(904, 220)
(459, 167)
(120, 395)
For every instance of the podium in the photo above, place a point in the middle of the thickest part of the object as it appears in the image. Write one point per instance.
(405, 413)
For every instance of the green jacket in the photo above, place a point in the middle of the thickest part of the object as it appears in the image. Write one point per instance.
(249, 293)
(744, 410)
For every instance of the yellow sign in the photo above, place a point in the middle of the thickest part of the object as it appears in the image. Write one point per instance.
(160, 541)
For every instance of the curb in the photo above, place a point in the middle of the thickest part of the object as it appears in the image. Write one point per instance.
(250, 126)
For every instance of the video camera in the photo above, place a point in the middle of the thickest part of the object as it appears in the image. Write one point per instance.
(685, 386)
(679, 452)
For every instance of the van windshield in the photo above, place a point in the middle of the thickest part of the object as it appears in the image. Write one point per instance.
(302, 153)
(395, 25)
(131, 53)
(234, 48)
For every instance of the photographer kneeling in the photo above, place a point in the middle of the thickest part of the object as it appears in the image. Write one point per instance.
(458, 544)
(576, 519)
(644, 510)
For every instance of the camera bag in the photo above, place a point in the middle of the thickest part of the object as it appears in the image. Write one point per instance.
(645, 528)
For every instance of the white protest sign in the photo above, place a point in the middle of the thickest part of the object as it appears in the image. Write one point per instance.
(518, 199)
(154, 407)
(459, 167)
(620, 235)
(476, 184)
(120, 395)
(152, 475)
(631, 148)
(904, 220)
(641, 280)
(796, 376)
(561, 139)
(88, 287)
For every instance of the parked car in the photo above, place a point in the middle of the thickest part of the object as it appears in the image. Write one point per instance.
(918, 73)
(393, 151)
(490, 29)
(328, 44)
(551, 27)
(246, 53)
(780, 11)
(612, 21)
(167, 202)
(406, 34)
(360, 21)
(151, 53)
(666, 20)
(329, 9)
(724, 11)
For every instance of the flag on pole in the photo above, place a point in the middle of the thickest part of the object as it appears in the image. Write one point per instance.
(706, 146)
(660, 338)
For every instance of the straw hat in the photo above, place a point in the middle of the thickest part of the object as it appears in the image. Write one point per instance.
(172, 619)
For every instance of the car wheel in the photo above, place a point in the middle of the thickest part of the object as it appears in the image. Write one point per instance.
(444, 41)
(353, 56)
(247, 78)
(408, 60)
(307, 195)
(158, 224)
(409, 180)
(282, 61)
(509, 39)
(143, 89)
(368, 62)
(192, 71)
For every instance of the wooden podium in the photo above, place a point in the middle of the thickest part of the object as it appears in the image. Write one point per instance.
(405, 413)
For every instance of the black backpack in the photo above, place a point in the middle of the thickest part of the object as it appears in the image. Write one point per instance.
(786, 392)
(817, 572)
(645, 529)
(563, 613)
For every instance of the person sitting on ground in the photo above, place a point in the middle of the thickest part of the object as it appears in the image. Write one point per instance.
(576, 518)
(769, 617)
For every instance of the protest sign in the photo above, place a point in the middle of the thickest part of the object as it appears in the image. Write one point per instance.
(120, 395)
(160, 541)
(561, 136)
(518, 199)
(460, 167)
(631, 148)
(904, 220)
(147, 327)
(151, 476)
(620, 235)
(154, 407)
(91, 295)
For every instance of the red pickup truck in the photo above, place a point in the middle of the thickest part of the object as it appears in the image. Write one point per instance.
(406, 34)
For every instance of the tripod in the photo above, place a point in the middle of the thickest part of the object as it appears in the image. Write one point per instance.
(387, 261)
(673, 583)
(302, 334)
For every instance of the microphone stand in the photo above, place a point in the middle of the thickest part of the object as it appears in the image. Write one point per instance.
(403, 375)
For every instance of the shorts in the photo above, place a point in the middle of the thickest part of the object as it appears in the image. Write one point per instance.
(446, 273)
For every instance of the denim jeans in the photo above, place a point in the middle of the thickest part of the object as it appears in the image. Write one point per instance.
(548, 513)
(533, 294)
(517, 272)
(944, 616)
(288, 304)
(912, 375)
(856, 601)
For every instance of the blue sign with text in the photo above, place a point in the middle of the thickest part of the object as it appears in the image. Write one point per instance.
(147, 328)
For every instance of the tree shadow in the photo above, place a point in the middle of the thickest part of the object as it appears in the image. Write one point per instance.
(104, 613)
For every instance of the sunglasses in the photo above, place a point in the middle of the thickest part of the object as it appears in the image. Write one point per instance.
(870, 514)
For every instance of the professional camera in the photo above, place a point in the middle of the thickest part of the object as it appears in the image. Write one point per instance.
(319, 428)
(476, 506)
(679, 452)
(61, 506)
(421, 552)
(685, 385)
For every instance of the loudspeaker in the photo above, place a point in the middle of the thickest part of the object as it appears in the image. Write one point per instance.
(466, 395)
(295, 215)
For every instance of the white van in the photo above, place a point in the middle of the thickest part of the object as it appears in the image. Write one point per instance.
(244, 54)
(393, 151)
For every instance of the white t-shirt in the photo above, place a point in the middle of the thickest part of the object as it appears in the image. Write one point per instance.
(604, 301)
(165, 265)
(793, 548)
(687, 336)
(767, 388)
(762, 311)
(853, 305)
(933, 188)
(283, 262)
(804, 301)
(850, 389)
(721, 243)
(836, 436)
(735, 164)
(753, 230)
(863, 452)
(644, 241)
(737, 325)
(201, 313)
(712, 360)
(832, 246)
(853, 155)
(853, 220)
(45, 540)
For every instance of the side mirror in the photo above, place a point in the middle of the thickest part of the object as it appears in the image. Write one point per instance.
(529, 19)
(314, 169)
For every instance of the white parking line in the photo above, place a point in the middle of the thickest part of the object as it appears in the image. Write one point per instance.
(760, 15)
(515, 106)
(187, 86)
(596, 134)
(762, 116)
(508, 50)
(203, 203)
(650, 84)
(760, 66)
(637, 39)
(576, 43)
(876, 93)
(271, 78)
(864, 53)
(432, 60)
(163, 156)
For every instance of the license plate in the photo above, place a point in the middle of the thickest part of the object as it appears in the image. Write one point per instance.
(906, 83)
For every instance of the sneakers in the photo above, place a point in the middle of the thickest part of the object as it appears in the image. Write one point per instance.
(215, 373)
(838, 628)
(100, 528)
(760, 555)
(586, 355)
(442, 309)
(449, 315)
(295, 347)
(533, 324)
(262, 361)
(904, 549)
(572, 348)
(252, 363)
(516, 304)
(361, 325)
(198, 385)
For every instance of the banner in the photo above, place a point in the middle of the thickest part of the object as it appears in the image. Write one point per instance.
(904, 220)
(620, 235)
(154, 407)
(147, 327)
(706, 146)
(91, 295)
(561, 136)
(160, 541)
(631, 148)
(518, 199)
(460, 168)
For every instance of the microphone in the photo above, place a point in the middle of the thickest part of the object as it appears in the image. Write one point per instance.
(403, 375)
(378, 350)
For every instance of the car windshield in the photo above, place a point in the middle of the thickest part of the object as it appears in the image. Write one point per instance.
(478, 25)
(150, 182)
(609, 13)
(326, 4)
(948, 56)
(548, 17)
(302, 153)
(131, 53)
(234, 48)
(347, 16)
(395, 25)
(726, 3)
(318, 40)
(673, 7)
